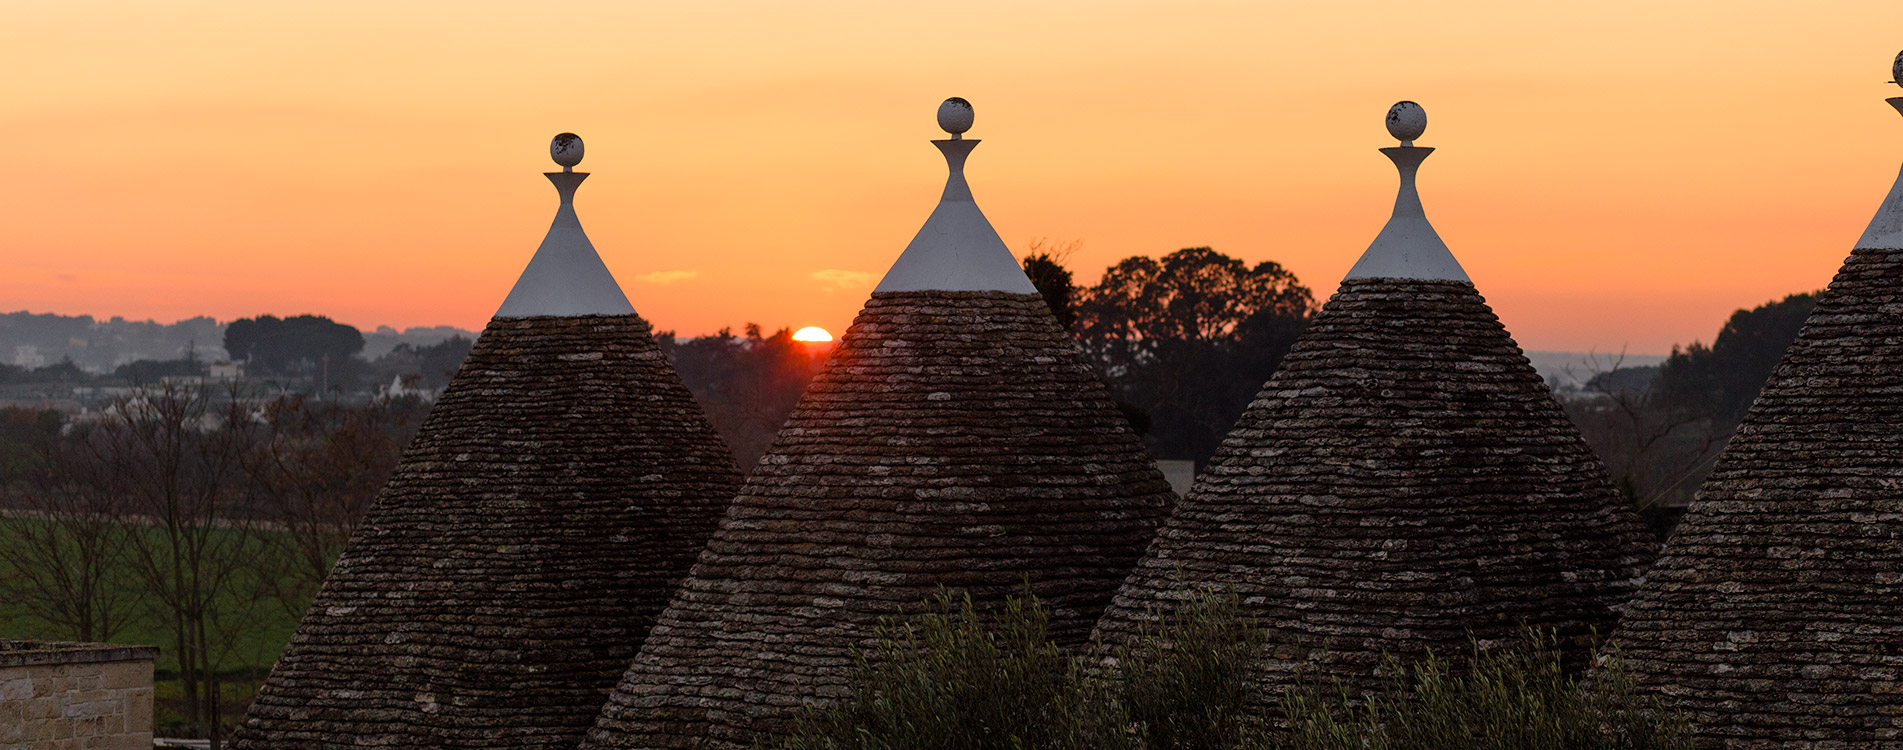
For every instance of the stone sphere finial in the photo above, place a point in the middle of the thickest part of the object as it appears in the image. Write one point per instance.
(566, 150)
(1406, 122)
(1896, 70)
(955, 116)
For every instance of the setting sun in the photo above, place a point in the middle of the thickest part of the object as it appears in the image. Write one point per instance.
(813, 334)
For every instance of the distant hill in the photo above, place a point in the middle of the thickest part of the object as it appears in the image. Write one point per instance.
(1573, 369)
(34, 340)
(381, 341)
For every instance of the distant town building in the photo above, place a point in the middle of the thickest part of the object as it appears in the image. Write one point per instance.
(956, 439)
(1404, 482)
(1775, 615)
(28, 356)
(548, 507)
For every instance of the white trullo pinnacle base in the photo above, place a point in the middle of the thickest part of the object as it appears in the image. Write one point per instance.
(956, 250)
(566, 277)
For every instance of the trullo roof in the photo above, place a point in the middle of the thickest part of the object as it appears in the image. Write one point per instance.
(1775, 615)
(956, 439)
(1404, 479)
(551, 502)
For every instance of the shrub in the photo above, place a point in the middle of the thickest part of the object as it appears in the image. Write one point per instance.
(953, 680)
(1515, 698)
(1184, 684)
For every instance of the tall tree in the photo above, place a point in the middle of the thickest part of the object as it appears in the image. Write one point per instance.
(177, 457)
(1190, 338)
(1724, 378)
(63, 531)
(300, 344)
(1045, 267)
(748, 384)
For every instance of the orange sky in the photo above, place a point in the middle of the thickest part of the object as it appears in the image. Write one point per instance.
(1613, 174)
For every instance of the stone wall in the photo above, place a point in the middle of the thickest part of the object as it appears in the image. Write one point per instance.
(75, 696)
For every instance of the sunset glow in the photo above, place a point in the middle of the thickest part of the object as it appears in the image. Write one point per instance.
(1615, 175)
(813, 334)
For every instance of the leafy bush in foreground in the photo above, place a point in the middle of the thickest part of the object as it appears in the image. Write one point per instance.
(954, 679)
(947, 681)
(1184, 685)
(1503, 699)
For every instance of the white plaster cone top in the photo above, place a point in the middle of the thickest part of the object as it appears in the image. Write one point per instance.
(1886, 228)
(956, 250)
(1408, 247)
(566, 277)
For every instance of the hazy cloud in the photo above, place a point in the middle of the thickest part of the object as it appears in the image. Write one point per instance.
(837, 279)
(666, 277)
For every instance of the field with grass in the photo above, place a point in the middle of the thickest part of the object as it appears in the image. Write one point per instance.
(267, 626)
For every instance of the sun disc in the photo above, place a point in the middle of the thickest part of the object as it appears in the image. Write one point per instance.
(812, 333)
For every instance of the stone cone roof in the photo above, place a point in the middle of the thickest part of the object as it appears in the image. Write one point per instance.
(1775, 615)
(548, 507)
(957, 439)
(1405, 479)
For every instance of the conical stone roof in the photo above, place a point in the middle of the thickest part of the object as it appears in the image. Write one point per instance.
(549, 505)
(1404, 479)
(956, 439)
(1775, 615)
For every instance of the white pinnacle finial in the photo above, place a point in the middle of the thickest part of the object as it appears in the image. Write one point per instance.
(1406, 122)
(955, 117)
(1886, 229)
(566, 277)
(566, 150)
(957, 250)
(1408, 247)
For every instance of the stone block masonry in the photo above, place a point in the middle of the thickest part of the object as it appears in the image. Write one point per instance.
(75, 696)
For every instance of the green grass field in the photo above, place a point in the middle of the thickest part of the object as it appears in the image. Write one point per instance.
(253, 651)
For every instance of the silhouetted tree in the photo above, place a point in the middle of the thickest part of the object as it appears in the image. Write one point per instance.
(176, 457)
(63, 531)
(435, 364)
(1190, 338)
(748, 384)
(1724, 378)
(1656, 452)
(149, 371)
(300, 344)
(1660, 430)
(439, 362)
(321, 464)
(1044, 266)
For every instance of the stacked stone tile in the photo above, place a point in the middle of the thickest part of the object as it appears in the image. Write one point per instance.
(1775, 615)
(1403, 482)
(957, 439)
(548, 507)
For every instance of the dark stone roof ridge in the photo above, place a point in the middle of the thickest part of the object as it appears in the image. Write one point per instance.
(545, 511)
(956, 439)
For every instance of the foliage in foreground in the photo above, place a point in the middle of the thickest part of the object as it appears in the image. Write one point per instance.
(960, 679)
(1501, 699)
(950, 681)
